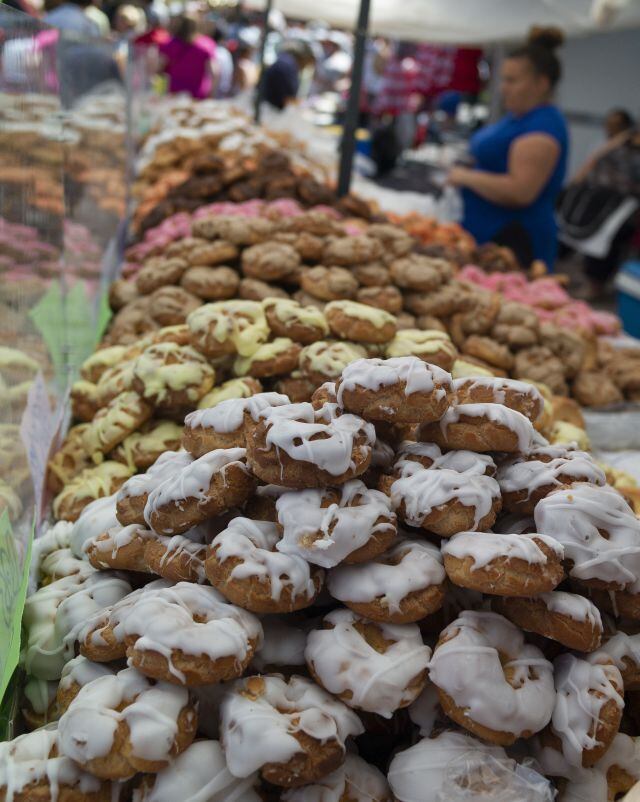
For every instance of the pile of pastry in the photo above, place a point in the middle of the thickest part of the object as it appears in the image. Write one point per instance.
(132, 398)
(396, 591)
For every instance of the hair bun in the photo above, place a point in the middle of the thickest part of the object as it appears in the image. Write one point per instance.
(549, 38)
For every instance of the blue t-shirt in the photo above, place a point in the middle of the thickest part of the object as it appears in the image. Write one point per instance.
(490, 148)
(281, 81)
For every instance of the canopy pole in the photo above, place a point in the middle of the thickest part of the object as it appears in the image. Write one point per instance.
(348, 146)
(263, 43)
(495, 100)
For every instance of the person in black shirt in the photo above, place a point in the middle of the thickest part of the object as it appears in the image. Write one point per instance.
(281, 80)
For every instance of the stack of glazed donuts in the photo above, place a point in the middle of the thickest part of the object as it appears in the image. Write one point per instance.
(395, 591)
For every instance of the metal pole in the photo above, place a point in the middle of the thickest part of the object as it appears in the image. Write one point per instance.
(348, 146)
(263, 44)
(495, 101)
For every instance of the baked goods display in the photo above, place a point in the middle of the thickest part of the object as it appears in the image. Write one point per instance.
(341, 596)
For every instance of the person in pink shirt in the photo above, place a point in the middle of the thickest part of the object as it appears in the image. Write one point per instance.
(190, 60)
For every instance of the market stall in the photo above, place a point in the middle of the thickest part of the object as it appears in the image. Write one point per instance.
(303, 502)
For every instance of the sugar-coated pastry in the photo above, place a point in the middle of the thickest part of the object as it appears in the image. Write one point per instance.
(244, 565)
(567, 618)
(599, 532)
(133, 495)
(481, 427)
(524, 482)
(417, 774)
(401, 586)
(292, 732)
(207, 486)
(355, 779)
(199, 774)
(327, 527)
(372, 666)
(521, 396)
(588, 708)
(185, 634)
(400, 390)
(298, 446)
(33, 768)
(444, 501)
(123, 723)
(504, 564)
(490, 681)
(223, 425)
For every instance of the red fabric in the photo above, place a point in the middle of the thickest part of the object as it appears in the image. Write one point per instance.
(443, 68)
(400, 82)
(156, 36)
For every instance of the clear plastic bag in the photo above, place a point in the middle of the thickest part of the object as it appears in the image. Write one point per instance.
(477, 777)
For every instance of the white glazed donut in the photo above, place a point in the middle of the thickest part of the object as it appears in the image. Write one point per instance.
(298, 446)
(588, 707)
(199, 774)
(289, 731)
(417, 774)
(445, 501)
(355, 780)
(95, 518)
(371, 666)
(399, 390)
(222, 426)
(327, 527)
(577, 517)
(31, 767)
(54, 614)
(55, 538)
(116, 711)
(429, 455)
(624, 650)
(244, 565)
(490, 681)
(80, 672)
(134, 493)
(400, 586)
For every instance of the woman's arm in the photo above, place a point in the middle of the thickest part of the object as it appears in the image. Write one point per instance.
(532, 160)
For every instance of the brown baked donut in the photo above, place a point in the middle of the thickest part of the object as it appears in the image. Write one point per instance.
(169, 306)
(401, 390)
(85, 400)
(346, 251)
(521, 396)
(432, 346)
(211, 283)
(325, 360)
(375, 274)
(387, 298)
(567, 618)
(218, 252)
(228, 327)
(113, 423)
(504, 565)
(420, 273)
(287, 318)
(252, 289)
(328, 283)
(489, 351)
(481, 427)
(296, 386)
(159, 272)
(122, 292)
(297, 446)
(171, 376)
(101, 360)
(142, 448)
(275, 358)
(270, 261)
(90, 484)
(359, 322)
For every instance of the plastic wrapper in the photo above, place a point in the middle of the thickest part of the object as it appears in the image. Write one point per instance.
(478, 777)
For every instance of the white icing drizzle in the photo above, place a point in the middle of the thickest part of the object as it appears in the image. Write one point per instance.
(199, 774)
(418, 566)
(423, 712)
(163, 621)
(56, 537)
(355, 780)
(166, 466)
(426, 490)
(61, 563)
(193, 480)
(379, 682)
(228, 416)
(327, 535)
(583, 687)
(498, 414)
(95, 518)
(27, 760)
(54, 614)
(259, 716)
(576, 607)
(468, 668)
(40, 694)
(291, 427)
(416, 774)
(498, 386)
(254, 542)
(373, 374)
(484, 547)
(150, 710)
(117, 537)
(81, 671)
(283, 644)
(461, 461)
(531, 474)
(623, 649)
(181, 546)
(576, 517)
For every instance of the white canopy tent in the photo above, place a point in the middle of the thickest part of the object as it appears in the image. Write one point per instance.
(466, 21)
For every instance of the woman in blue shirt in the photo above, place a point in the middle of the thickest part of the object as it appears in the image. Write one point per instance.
(520, 162)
